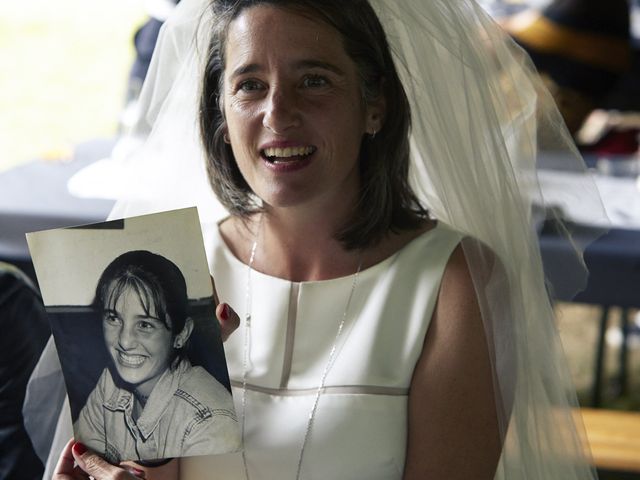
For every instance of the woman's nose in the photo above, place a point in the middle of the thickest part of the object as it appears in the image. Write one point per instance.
(127, 338)
(281, 112)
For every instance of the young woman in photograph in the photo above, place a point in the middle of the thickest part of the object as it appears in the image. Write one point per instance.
(374, 228)
(150, 402)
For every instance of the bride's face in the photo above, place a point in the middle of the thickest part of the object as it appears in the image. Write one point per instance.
(294, 108)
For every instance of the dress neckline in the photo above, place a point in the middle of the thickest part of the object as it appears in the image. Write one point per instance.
(365, 272)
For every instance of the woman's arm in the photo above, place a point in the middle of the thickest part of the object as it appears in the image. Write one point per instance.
(453, 428)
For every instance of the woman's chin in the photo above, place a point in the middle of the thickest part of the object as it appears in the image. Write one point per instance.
(286, 200)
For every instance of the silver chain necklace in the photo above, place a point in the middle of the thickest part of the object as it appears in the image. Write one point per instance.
(325, 372)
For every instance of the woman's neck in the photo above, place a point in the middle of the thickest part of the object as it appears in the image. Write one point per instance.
(293, 244)
(304, 247)
(299, 246)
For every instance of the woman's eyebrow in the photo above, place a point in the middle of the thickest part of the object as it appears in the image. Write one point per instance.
(243, 69)
(298, 65)
(149, 317)
(311, 63)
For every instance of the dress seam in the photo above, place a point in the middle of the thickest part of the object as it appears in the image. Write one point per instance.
(327, 390)
(292, 314)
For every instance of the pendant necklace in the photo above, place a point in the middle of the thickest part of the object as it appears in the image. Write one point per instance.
(325, 372)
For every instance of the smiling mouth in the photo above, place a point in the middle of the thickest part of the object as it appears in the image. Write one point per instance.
(286, 154)
(129, 360)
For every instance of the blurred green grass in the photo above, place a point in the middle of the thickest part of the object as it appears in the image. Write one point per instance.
(64, 72)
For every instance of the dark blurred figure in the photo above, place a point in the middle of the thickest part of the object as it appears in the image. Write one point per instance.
(581, 47)
(144, 42)
(25, 331)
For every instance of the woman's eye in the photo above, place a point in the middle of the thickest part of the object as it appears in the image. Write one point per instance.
(249, 86)
(146, 326)
(112, 320)
(314, 81)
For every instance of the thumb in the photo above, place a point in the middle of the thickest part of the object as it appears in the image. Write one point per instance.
(96, 466)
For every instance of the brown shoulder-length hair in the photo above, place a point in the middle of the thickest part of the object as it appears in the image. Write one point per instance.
(386, 201)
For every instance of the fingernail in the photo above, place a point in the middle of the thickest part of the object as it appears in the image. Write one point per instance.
(79, 448)
(225, 312)
(136, 472)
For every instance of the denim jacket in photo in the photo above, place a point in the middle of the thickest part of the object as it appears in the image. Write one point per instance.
(188, 413)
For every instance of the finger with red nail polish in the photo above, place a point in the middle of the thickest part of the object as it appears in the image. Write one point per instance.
(228, 319)
(79, 448)
(97, 467)
(135, 471)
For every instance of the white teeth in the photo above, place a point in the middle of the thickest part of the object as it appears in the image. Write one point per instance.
(288, 152)
(131, 359)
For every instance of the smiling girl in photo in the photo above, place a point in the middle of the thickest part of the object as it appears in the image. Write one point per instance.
(151, 403)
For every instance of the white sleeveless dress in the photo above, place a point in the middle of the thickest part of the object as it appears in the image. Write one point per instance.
(360, 427)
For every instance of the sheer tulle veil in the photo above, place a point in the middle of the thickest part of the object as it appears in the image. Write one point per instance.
(480, 118)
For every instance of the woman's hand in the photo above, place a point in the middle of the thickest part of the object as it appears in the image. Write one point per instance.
(227, 317)
(77, 463)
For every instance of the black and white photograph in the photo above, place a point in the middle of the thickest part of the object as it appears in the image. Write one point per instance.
(132, 311)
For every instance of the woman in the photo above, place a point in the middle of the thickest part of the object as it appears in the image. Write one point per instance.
(374, 342)
(151, 403)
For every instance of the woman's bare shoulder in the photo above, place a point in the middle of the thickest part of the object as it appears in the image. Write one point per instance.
(457, 311)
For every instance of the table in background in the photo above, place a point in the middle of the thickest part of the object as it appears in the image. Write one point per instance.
(614, 442)
(613, 261)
